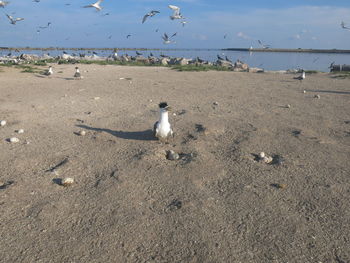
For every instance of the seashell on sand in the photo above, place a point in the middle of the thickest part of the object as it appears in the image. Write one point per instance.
(67, 181)
(20, 131)
(261, 155)
(3, 123)
(14, 140)
(82, 133)
(317, 96)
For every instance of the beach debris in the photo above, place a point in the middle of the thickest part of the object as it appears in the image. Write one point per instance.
(175, 204)
(317, 96)
(4, 185)
(216, 103)
(20, 131)
(279, 186)
(171, 155)
(200, 128)
(97, 98)
(13, 140)
(3, 123)
(304, 91)
(67, 181)
(82, 133)
(288, 106)
(264, 158)
(63, 162)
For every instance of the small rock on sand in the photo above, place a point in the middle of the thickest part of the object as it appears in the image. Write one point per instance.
(2, 123)
(171, 155)
(13, 140)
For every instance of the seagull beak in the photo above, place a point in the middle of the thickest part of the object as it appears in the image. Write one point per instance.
(168, 108)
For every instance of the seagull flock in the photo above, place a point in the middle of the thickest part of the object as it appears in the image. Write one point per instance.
(176, 15)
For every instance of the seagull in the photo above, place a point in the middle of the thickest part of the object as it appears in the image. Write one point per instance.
(49, 72)
(225, 36)
(227, 59)
(13, 21)
(343, 25)
(95, 5)
(157, 30)
(128, 36)
(176, 14)
(263, 45)
(36, 1)
(150, 14)
(301, 77)
(167, 39)
(220, 58)
(77, 74)
(4, 3)
(138, 53)
(162, 128)
(43, 27)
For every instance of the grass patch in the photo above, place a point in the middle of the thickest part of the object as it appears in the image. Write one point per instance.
(312, 71)
(341, 75)
(27, 69)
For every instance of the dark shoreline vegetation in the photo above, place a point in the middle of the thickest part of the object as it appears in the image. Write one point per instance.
(290, 50)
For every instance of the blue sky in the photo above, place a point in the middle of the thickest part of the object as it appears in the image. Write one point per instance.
(281, 24)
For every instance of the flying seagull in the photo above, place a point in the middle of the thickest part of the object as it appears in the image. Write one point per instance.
(167, 39)
(162, 128)
(43, 27)
(150, 14)
(4, 3)
(36, 1)
(301, 77)
(138, 53)
(95, 5)
(176, 14)
(263, 45)
(128, 36)
(13, 21)
(344, 26)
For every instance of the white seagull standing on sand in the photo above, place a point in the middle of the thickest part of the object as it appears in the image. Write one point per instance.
(13, 21)
(176, 14)
(49, 72)
(301, 77)
(96, 5)
(3, 3)
(77, 74)
(162, 128)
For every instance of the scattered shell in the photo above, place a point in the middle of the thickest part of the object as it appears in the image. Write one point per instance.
(67, 181)
(3, 123)
(97, 98)
(171, 155)
(267, 159)
(174, 114)
(288, 106)
(261, 155)
(304, 91)
(20, 131)
(216, 103)
(279, 186)
(317, 96)
(82, 133)
(14, 140)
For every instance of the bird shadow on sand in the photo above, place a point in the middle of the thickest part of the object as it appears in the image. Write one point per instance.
(331, 91)
(146, 135)
(40, 76)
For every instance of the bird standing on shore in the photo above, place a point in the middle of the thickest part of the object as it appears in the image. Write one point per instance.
(4, 3)
(150, 14)
(95, 5)
(301, 77)
(77, 74)
(162, 128)
(49, 72)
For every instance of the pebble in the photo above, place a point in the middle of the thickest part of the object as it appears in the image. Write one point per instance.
(317, 97)
(97, 98)
(14, 140)
(216, 103)
(67, 181)
(82, 133)
(171, 155)
(304, 91)
(288, 106)
(3, 123)
(20, 131)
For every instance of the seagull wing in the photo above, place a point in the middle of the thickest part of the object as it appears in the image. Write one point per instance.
(144, 18)
(88, 6)
(9, 17)
(176, 10)
(173, 35)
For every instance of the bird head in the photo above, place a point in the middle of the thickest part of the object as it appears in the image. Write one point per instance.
(164, 106)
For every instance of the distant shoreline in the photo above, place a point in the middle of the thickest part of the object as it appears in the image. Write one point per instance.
(282, 50)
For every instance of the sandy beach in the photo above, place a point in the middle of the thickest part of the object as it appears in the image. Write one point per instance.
(217, 203)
